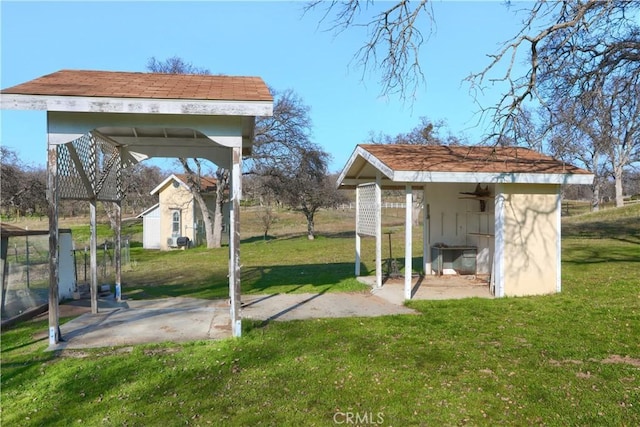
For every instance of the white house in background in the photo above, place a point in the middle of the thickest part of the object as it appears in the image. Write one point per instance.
(176, 215)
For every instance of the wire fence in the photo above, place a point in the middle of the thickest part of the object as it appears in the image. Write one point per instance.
(25, 277)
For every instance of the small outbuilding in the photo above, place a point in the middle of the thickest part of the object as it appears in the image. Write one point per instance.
(177, 218)
(492, 211)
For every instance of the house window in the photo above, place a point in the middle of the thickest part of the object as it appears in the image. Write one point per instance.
(175, 223)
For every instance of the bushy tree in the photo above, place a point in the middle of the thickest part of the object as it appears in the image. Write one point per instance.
(23, 187)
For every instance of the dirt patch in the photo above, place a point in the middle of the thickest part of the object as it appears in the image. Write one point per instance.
(614, 358)
(565, 362)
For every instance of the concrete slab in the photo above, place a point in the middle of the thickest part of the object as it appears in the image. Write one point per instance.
(431, 288)
(313, 306)
(147, 321)
(190, 319)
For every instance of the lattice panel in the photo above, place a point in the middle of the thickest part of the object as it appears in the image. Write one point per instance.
(89, 167)
(368, 210)
(108, 173)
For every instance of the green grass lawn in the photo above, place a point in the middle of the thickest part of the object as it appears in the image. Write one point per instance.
(566, 359)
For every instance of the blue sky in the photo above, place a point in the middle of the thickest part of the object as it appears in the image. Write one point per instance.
(273, 40)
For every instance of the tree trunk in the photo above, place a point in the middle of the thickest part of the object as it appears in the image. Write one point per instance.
(222, 177)
(310, 225)
(216, 233)
(206, 217)
(617, 173)
(595, 196)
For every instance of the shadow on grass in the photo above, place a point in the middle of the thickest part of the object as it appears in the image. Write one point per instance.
(291, 278)
(624, 230)
(585, 256)
(255, 279)
(254, 239)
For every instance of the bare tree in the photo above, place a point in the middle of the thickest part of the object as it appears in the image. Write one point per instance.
(279, 137)
(305, 184)
(426, 132)
(592, 40)
(289, 166)
(174, 65)
(599, 128)
(213, 226)
(23, 187)
(395, 33)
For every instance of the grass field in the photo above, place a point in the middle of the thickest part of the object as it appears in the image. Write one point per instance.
(566, 359)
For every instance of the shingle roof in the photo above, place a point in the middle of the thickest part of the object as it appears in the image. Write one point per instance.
(206, 183)
(438, 158)
(145, 85)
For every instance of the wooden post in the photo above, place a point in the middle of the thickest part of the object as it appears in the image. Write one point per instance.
(497, 271)
(408, 240)
(234, 242)
(426, 244)
(4, 269)
(378, 229)
(559, 238)
(358, 243)
(93, 263)
(117, 250)
(52, 198)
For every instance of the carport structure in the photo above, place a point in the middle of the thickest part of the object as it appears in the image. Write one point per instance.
(100, 122)
(500, 204)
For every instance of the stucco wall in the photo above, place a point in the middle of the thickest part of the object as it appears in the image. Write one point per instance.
(170, 199)
(530, 258)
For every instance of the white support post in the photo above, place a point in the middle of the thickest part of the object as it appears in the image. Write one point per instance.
(54, 251)
(234, 241)
(408, 239)
(93, 250)
(358, 243)
(559, 239)
(426, 246)
(118, 250)
(497, 274)
(378, 230)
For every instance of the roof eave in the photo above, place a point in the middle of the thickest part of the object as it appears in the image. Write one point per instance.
(367, 157)
(86, 104)
(423, 177)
